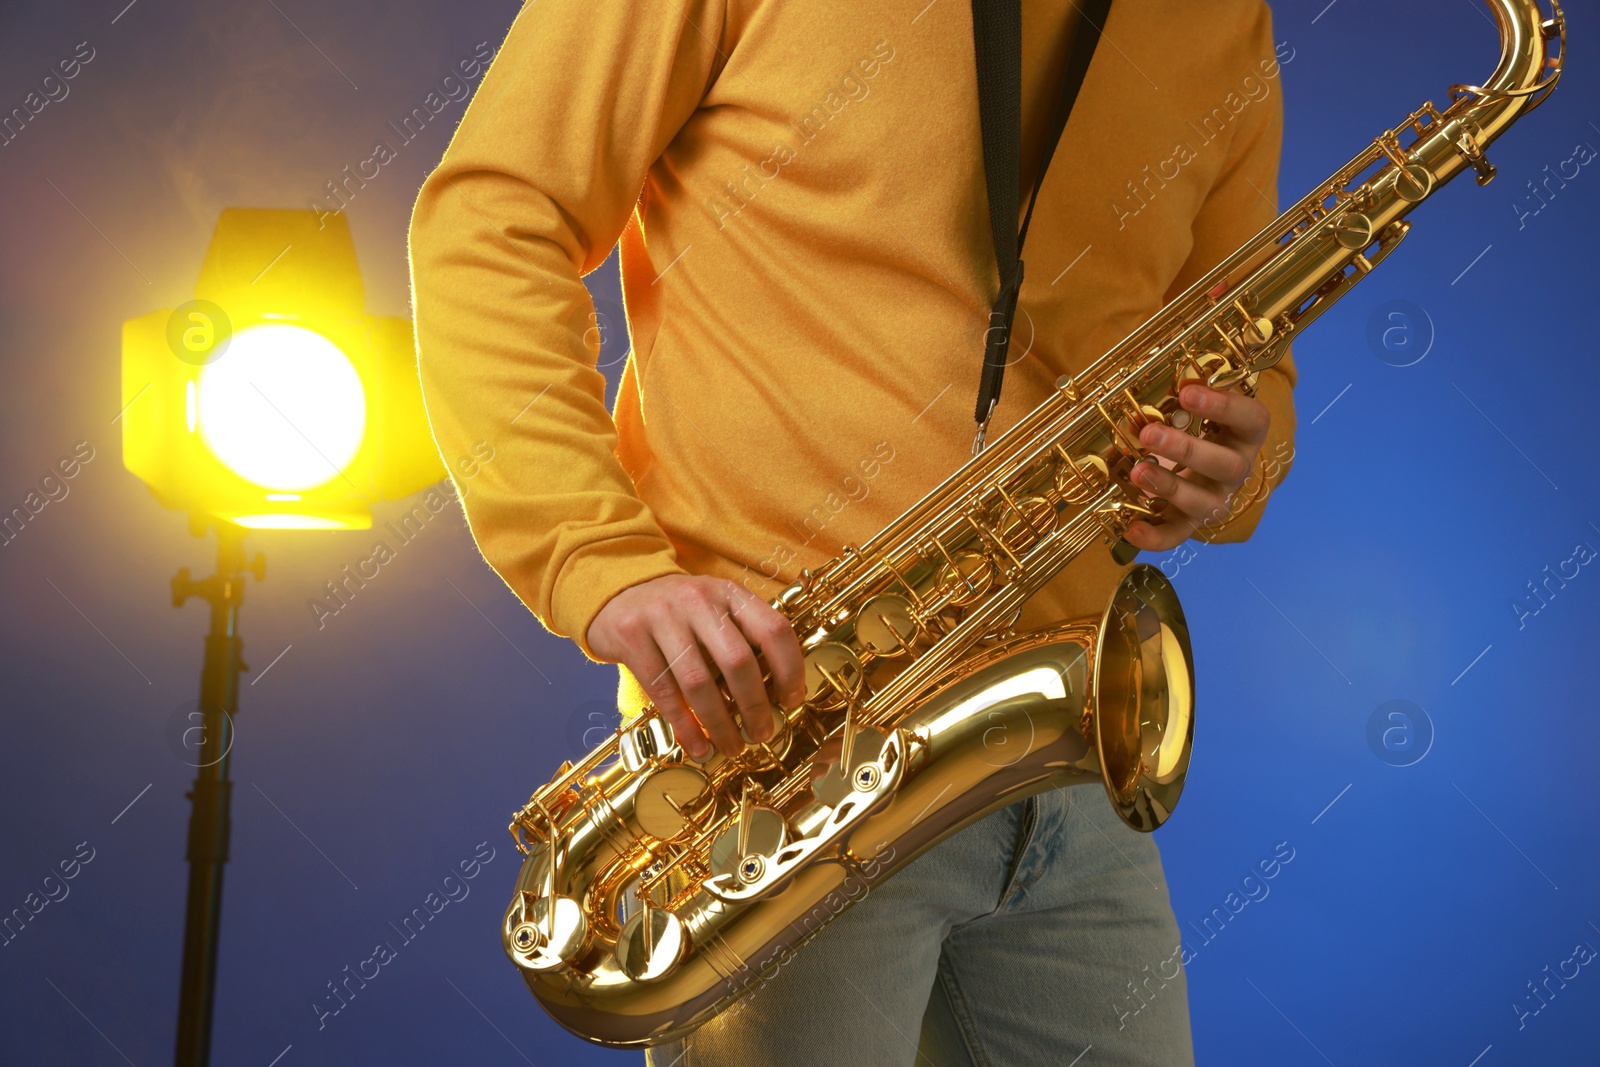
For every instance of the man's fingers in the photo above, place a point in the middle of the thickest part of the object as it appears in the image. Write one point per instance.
(1216, 461)
(1192, 501)
(1149, 538)
(740, 672)
(769, 631)
(701, 647)
(655, 678)
(1246, 417)
(699, 687)
(1214, 468)
(1194, 498)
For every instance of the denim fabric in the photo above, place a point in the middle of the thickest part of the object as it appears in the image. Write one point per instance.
(1039, 935)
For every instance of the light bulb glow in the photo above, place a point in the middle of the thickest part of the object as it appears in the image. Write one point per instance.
(283, 408)
(289, 522)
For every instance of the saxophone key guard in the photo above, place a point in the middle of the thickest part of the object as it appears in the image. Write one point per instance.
(868, 792)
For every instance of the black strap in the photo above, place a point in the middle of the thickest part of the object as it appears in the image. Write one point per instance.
(997, 45)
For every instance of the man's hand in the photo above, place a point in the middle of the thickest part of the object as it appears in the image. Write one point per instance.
(1216, 467)
(662, 630)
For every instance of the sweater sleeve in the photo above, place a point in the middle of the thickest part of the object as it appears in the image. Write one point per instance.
(1242, 202)
(534, 190)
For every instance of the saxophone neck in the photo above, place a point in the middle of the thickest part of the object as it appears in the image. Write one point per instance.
(1527, 72)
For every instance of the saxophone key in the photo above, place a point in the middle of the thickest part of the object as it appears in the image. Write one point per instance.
(1258, 331)
(1413, 183)
(652, 944)
(650, 742)
(542, 937)
(1083, 478)
(1224, 378)
(1025, 521)
(833, 674)
(965, 577)
(667, 801)
(888, 625)
(1353, 231)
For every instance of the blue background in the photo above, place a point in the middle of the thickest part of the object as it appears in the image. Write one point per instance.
(381, 749)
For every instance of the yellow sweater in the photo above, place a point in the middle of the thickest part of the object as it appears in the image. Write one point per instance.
(807, 266)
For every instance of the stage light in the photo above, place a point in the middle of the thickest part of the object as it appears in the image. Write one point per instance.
(273, 400)
(270, 401)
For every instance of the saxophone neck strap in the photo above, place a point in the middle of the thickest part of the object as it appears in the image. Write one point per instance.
(997, 45)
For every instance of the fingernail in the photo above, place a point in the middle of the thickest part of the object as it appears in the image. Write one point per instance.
(1150, 436)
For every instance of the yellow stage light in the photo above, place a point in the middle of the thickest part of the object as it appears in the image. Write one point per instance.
(270, 401)
(273, 400)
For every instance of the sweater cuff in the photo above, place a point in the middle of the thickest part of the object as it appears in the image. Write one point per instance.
(596, 573)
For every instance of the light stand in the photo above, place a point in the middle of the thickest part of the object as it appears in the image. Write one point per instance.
(209, 817)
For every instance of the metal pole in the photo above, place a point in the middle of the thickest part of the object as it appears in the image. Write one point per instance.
(212, 792)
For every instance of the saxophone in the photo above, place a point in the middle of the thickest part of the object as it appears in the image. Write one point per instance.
(657, 890)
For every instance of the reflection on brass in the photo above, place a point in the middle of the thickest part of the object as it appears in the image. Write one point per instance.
(1413, 184)
(888, 624)
(651, 945)
(654, 890)
(663, 796)
(833, 768)
(766, 832)
(1082, 479)
(1258, 332)
(1024, 521)
(543, 938)
(833, 673)
(1354, 231)
(966, 577)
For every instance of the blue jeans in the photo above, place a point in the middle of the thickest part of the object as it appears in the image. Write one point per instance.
(1031, 937)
